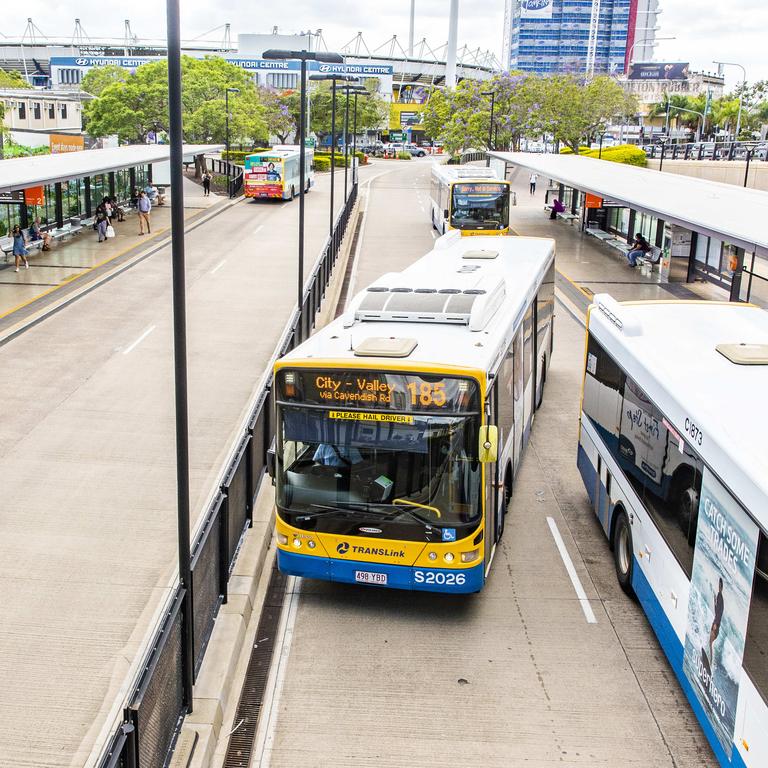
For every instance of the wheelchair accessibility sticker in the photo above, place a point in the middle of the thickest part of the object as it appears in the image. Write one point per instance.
(449, 534)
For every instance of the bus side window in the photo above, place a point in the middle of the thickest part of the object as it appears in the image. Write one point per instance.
(603, 392)
(506, 386)
(756, 647)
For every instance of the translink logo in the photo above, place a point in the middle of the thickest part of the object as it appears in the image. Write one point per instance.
(342, 548)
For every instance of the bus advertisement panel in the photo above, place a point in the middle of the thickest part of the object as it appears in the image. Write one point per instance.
(264, 176)
(718, 605)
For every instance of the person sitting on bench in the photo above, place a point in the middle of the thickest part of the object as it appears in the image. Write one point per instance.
(557, 207)
(639, 248)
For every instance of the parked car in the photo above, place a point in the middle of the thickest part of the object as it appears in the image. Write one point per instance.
(415, 150)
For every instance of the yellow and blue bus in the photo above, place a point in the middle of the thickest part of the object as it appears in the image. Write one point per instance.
(470, 199)
(672, 454)
(400, 425)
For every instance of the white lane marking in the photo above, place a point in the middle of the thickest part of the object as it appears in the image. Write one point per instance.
(258, 229)
(218, 266)
(265, 740)
(575, 580)
(139, 340)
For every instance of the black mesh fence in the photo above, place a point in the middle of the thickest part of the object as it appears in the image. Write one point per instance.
(157, 705)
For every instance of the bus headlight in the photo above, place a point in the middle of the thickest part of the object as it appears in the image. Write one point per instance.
(297, 543)
(448, 557)
(432, 555)
(311, 544)
(282, 539)
(469, 557)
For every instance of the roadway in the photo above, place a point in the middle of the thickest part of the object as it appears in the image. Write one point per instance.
(523, 673)
(87, 457)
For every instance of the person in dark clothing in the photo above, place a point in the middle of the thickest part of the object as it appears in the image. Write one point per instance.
(715, 629)
(639, 248)
(206, 184)
(557, 207)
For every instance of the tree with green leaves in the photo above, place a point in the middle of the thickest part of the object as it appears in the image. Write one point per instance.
(371, 110)
(574, 111)
(12, 80)
(137, 104)
(279, 112)
(98, 78)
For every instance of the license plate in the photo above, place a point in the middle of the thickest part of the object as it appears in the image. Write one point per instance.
(369, 577)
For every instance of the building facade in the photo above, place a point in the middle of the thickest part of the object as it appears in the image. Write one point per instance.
(577, 36)
(32, 114)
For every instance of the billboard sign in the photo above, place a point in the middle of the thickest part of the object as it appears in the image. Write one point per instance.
(536, 9)
(62, 142)
(718, 605)
(131, 62)
(669, 70)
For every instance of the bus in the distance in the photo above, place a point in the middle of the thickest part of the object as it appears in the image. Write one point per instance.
(400, 425)
(473, 200)
(672, 451)
(275, 174)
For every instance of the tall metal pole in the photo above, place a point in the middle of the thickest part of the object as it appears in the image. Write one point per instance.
(302, 164)
(492, 94)
(411, 26)
(226, 141)
(346, 144)
(180, 341)
(333, 150)
(450, 55)
(354, 144)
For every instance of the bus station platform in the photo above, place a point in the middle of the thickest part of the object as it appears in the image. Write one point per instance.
(702, 231)
(80, 258)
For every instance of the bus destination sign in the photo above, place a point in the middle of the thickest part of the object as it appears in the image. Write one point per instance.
(480, 188)
(386, 391)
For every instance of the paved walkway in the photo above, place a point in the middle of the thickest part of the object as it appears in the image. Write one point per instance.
(80, 255)
(87, 461)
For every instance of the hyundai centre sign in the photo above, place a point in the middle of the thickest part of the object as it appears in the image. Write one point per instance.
(131, 62)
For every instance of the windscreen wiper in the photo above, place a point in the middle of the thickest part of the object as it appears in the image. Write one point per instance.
(327, 509)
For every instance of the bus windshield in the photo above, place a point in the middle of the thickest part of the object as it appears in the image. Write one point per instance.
(480, 205)
(415, 469)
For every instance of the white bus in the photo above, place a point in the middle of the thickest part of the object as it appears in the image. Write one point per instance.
(400, 425)
(275, 174)
(471, 199)
(672, 451)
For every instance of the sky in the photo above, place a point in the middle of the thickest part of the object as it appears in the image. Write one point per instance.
(703, 30)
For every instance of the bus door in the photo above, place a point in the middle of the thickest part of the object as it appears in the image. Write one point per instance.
(494, 508)
(517, 389)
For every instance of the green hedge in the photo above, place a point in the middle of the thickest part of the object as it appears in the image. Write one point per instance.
(362, 159)
(623, 153)
(404, 156)
(322, 163)
(236, 156)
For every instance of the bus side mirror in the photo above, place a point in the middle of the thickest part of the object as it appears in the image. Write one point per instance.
(488, 448)
(445, 213)
(271, 461)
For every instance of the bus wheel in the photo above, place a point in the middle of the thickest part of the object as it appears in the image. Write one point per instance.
(622, 551)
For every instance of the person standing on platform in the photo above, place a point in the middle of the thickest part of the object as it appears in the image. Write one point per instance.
(532, 181)
(102, 221)
(206, 184)
(19, 248)
(145, 206)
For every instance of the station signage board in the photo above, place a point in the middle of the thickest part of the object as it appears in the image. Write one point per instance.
(62, 142)
(593, 201)
(15, 197)
(34, 195)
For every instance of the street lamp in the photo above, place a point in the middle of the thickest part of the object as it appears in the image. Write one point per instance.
(645, 41)
(229, 159)
(333, 78)
(358, 91)
(741, 92)
(492, 94)
(303, 57)
(347, 90)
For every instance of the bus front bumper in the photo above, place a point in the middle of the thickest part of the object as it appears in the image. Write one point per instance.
(454, 580)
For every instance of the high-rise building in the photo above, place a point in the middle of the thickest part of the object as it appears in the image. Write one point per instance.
(579, 36)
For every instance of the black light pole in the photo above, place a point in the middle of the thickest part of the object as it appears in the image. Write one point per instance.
(303, 57)
(229, 160)
(360, 91)
(180, 343)
(492, 94)
(333, 79)
(346, 90)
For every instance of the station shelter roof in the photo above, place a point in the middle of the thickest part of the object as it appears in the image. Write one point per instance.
(24, 172)
(724, 211)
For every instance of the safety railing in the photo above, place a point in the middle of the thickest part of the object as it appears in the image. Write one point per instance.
(708, 150)
(154, 708)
